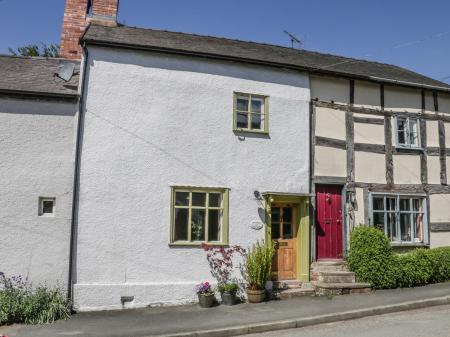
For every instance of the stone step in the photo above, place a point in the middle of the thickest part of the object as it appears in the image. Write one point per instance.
(287, 284)
(299, 292)
(336, 277)
(332, 289)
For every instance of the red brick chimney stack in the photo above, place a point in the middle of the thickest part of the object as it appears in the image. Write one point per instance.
(77, 15)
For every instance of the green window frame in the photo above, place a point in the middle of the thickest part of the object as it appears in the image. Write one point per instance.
(198, 215)
(250, 113)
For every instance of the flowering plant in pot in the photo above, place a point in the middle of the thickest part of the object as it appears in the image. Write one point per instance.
(205, 294)
(228, 292)
(257, 270)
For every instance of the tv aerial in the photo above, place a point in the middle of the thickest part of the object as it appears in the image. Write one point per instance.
(294, 39)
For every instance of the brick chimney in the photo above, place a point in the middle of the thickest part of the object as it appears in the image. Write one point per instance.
(77, 15)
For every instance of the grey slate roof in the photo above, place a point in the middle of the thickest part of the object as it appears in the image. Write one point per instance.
(36, 75)
(140, 38)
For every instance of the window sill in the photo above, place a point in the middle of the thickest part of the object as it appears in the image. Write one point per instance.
(406, 149)
(197, 244)
(409, 244)
(246, 131)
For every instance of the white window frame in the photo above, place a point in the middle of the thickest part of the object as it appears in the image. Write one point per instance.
(41, 207)
(408, 144)
(397, 212)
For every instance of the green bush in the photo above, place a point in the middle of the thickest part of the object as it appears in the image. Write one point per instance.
(371, 257)
(414, 268)
(373, 260)
(19, 303)
(258, 265)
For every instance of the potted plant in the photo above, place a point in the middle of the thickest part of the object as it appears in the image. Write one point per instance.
(228, 293)
(205, 294)
(257, 270)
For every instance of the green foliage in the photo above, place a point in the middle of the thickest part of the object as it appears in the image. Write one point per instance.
(19, 303)
(44, 50)
(231, 288)
(372, 259)
(258, 265)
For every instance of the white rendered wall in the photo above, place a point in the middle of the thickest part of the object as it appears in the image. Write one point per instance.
(37, 156)
(155, 120)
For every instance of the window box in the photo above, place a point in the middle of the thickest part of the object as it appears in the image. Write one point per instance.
(251, 113)
(199, 215)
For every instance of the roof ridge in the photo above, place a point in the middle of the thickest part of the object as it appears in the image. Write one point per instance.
(37, 58)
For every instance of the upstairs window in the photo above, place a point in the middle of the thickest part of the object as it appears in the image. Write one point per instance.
(401, 218)
(199, 215)
(407, 132)
(251, 113)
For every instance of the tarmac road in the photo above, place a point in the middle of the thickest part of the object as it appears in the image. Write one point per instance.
(429, 322)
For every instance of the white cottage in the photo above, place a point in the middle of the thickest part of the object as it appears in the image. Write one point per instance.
(38, 116)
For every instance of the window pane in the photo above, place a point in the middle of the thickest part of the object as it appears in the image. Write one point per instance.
(418, 227)
(391, 204)
(417, 205)
(405, 227)
(287, 214)
(413, 139)
(401, 129)
(275, 214)
(391, 227)
(242, 120)
(257, 122)
(215, 221)
(242, 103)
(275, 230)
(215, 200)
(198, 199)
(198, 225)
(47, 207)
(182, 198)
(405, 205)
(257, 105)
(378, 220)
(378, 203)
(181, 224)
(287, 230)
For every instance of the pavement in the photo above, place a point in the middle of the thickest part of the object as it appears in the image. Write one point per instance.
(240, 319)
(426, 322)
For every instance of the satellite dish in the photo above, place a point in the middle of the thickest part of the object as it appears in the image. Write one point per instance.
(65, 71)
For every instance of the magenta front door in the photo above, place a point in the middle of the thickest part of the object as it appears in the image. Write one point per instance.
(329, 221)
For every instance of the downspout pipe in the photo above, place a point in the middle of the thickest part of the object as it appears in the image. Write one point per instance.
(76, 180)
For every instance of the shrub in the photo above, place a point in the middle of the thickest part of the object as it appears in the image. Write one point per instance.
(19, 303)
(231, 288)
(414, 268)
(371, 257)
(257, 269)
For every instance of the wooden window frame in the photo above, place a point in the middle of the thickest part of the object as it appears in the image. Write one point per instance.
(398, 212)
(407, 145)
(208, 190)
(265, 129)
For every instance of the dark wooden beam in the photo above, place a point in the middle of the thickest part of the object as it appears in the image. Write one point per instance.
(331, 142)
(423, 142)
(440, 226)
(403, 188)
(389, 159)
(382, 96)
(368, 120)
(350, 139)
(352, 92)
(442, 152)
(374, 148)
(371, 111)
(436, 151)
(330, 180)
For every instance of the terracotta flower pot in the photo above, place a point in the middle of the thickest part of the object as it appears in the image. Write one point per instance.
(256, 296)
(206, 300)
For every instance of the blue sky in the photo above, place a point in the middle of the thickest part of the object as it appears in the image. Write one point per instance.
(414, 34)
